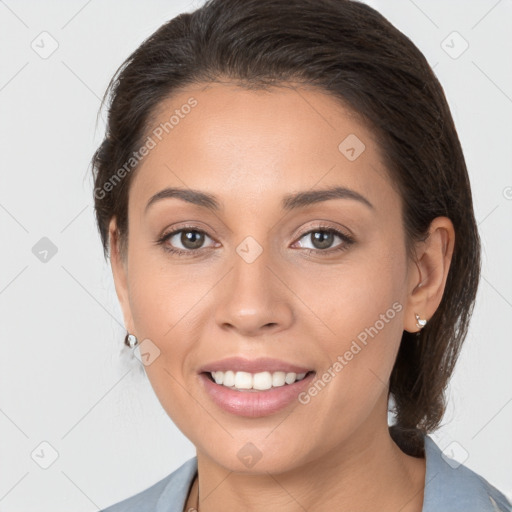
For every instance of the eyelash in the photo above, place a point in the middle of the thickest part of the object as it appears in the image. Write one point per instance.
(347, 241)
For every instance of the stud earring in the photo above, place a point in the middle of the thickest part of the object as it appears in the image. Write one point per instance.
(130, 340)
(420, 322)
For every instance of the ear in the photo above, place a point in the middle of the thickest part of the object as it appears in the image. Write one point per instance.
(120, 273)
(427, 278)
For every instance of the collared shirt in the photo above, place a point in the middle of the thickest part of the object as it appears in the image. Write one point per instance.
(449, 487)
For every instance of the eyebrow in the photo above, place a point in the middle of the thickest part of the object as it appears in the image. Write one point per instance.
(289, 202)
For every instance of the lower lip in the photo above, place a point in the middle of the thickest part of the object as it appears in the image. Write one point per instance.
(254, 404)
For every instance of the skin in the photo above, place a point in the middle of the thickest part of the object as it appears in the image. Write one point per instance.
(250, 148)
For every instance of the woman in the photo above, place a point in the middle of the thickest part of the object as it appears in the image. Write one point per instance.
(288, 215)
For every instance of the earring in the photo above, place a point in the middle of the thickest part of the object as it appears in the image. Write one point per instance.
(420, 322)
(130, 340)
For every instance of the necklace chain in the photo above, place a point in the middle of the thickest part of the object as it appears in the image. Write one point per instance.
(194, 508)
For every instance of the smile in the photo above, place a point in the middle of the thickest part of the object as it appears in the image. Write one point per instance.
(245, 381)
(254, 388)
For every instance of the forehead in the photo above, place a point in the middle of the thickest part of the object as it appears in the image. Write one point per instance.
(238, 143)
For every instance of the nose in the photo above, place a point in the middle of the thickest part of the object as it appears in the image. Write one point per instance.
(255, 299)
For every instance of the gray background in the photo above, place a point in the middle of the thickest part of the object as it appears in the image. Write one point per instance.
(64, 378)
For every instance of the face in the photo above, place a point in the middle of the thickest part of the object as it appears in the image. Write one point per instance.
(268, 279)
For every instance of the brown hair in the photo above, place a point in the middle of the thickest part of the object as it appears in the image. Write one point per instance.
(349, 50)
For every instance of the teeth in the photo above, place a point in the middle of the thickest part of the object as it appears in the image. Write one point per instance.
(243, 380)
(278, 379)
(290, 378)
(258, 381)
(229, 379)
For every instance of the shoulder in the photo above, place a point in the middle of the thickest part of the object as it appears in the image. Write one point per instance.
(454, 487)
(167, 495)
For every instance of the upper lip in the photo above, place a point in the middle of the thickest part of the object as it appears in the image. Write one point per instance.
(262, 364)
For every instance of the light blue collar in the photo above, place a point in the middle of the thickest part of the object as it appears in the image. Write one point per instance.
(449, 487)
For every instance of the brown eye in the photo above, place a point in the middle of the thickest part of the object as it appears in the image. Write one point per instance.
(323, 240)
(191, 239)
(185, 241)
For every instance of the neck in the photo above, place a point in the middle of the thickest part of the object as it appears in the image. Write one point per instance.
(367, 472)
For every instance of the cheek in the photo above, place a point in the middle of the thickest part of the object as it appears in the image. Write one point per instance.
(350, 297)
(170, 305)
(361, 305)
(164, 302)
(164, 294)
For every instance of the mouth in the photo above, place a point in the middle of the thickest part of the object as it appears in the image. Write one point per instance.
(256, 388)
(261, 381)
